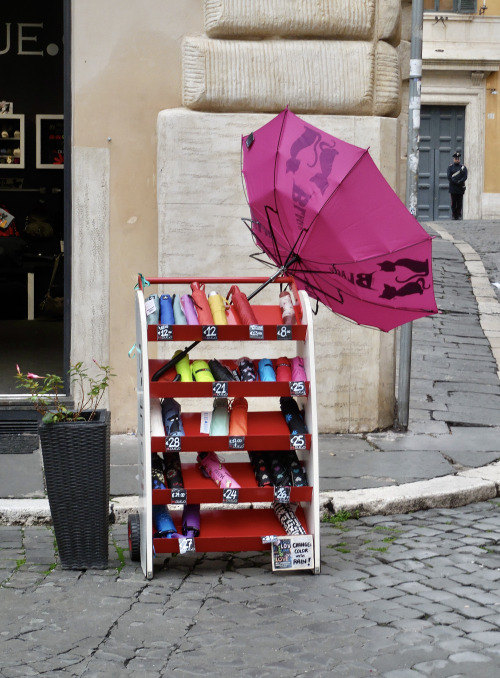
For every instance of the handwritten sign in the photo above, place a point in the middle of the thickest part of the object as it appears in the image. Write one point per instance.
(297, 388)
(256, 331)
(179, 496)
(230, 495)
(209, 332)
(293, 553)
(297, 441)
(186, 544)
(172, 444)
(220, 389)
(283, 332)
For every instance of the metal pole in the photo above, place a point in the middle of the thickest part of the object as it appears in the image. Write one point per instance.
(405, 339)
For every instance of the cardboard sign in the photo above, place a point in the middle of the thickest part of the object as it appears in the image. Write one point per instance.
(293, 553)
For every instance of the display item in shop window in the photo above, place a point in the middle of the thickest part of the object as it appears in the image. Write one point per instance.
(298, 371)
(157, 472)
(201, 304)
(163, 524)
(212, 467)
(289, 521)
(201, 371)
(152, 305)
(217, 308)
(246, 369)
(260, 466)
(283, 369)
(166, 310)
(238, 417)
(266, 370)
(219, 424)
(244, 311)
(293, 416)
(183, 368)
(173, 470)
(189, 309)
(191, 520)
(220, 371)
(171, 414)
(179, 315)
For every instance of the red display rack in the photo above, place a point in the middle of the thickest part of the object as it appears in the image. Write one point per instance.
(250, 524)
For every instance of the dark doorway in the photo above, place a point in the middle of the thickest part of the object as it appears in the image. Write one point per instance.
(442, 131)
(34, 176)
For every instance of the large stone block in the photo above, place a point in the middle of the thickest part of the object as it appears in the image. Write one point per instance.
(200, 205)
(320, 76)
(344, 19)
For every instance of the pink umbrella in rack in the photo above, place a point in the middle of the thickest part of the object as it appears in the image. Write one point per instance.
(323, 212)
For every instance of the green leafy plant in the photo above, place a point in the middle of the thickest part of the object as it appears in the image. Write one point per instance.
(45, 392)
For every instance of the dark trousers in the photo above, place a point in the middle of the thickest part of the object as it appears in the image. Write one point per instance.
(457, 200)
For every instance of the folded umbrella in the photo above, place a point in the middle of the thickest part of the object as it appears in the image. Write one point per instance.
(163, 523)
(191, 520)
(286, 515)
(298, 371)
(240, 302)
(201, 371)
(157, 472)
(287, 309)
(179, 315)
(283, 369)
(173, 470)
(189, 309)
(260, 467)
(280, 472)
(220, 371)
(201, 304)
(171, 415)
(152, 309)
(183, 368)
(246, 369)
(217, 308)
(212, 467)
(219, 425)
(266, 370)
(293, 415)
(166, 310)
(238, 418)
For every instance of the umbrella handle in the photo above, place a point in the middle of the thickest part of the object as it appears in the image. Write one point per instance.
(275, 275)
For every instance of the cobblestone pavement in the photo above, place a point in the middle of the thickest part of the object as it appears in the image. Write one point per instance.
(404, 596)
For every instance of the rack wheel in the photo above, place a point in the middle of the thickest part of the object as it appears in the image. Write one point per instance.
(134, 536)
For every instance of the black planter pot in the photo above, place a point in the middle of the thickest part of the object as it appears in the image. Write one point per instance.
(76, 463)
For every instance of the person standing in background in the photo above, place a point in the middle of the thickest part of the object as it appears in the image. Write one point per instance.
(457, 176)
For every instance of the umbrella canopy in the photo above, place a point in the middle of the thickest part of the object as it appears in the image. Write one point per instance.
(321, 208)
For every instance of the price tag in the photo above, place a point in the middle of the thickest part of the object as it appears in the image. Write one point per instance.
(297, 388)
(164, 333)
(209, 332)
(179, 496)
(230, 495)
(172, 443)
(282, 495)
(256, 331)
(220, 389)
(293, 553)
(269, 539)
(298, 441)
(186, 544)
(236, 442)
(284, 332)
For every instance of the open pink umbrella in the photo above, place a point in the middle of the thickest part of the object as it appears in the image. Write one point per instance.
(321, 209)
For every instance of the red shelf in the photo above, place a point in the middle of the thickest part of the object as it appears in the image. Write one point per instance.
(266, 431)
(166, 387)
(229, 530)
(201, 490)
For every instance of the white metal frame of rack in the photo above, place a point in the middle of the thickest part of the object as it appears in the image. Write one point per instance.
(150, 425)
